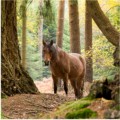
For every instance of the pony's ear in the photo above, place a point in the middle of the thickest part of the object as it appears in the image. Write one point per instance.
(106, 82)
(51, 42)
(44, 43)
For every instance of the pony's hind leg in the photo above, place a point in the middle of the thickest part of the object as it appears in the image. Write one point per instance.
(73, 83)
(55, 82)
(80, 86)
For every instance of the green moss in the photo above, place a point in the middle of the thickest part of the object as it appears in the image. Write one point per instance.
(3, 95)
(2, 116)
(75, 105)
(83, 113)
(89, 97)
(117, 107)
(79, 105)
(74, 108)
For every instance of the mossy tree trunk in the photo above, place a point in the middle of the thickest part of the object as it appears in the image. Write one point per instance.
(88, 44)
(14, 77)
(60, 26)
(105, 26)
(74, 26)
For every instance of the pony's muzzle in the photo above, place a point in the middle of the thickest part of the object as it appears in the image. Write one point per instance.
(46, 63)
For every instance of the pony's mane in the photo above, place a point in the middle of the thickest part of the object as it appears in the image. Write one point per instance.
(54, 50)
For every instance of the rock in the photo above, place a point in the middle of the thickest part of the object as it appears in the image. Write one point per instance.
(112, 114)
(116, 94)
(100, 89)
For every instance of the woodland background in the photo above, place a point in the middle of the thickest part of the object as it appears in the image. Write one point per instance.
(24, 25)
(102, 49)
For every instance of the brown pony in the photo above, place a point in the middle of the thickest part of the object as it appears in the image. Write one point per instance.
(65, 66)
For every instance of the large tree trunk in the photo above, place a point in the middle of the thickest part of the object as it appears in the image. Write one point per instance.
(105, 26)
(88, 44)
(74, 26)
(24, 19)
(14, 77)
(60, 27)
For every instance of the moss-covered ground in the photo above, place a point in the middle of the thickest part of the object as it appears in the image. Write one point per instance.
(74, 110)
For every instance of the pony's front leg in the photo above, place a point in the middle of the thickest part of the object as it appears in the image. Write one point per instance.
(55, 82)
(65, 79)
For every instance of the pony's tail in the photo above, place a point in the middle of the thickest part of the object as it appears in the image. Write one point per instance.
(83, 60)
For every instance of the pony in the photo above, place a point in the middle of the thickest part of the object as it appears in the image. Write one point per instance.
(66, 66)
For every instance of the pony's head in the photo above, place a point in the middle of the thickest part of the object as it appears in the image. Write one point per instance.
(47, 51)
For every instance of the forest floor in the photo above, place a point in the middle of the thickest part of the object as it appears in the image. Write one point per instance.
(30, 106)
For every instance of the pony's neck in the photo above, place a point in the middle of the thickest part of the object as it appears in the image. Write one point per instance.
(54, 53)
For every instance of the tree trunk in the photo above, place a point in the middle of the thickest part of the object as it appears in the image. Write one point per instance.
(103, 22)
(59, 35)
(74, 26)
(40, 35)
(88, 44)
(14, 77)
(24, 19)
(105, 26)
(60, 27)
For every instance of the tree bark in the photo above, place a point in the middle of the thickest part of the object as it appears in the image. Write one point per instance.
(74, 26)
(105, 26)
(14, 77)
(88, 44)
(103, 22)
(60, 27)
(24, 19)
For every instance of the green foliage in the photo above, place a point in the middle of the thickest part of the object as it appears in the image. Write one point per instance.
(66, 36)
(49, 32)
(114, 16)
(49, 28)
(46, 71)
(84, 113)
(34, 64)
(47, 11)
(103, 58)
(73, 2)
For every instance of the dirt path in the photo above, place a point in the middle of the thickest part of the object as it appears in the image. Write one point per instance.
(31, 106)
(34, 106)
